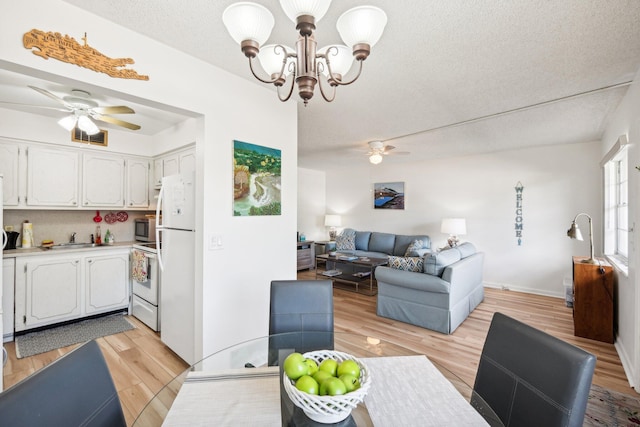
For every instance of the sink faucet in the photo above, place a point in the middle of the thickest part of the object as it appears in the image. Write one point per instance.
(72, 239)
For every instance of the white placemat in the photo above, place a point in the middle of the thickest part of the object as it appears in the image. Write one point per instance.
(410, 391)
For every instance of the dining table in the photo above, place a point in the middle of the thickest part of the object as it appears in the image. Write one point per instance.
(241, 385)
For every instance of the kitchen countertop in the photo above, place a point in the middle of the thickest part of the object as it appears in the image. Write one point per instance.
(38, 250)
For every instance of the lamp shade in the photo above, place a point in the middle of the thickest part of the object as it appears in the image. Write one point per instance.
(574, 232)
(295, 8)
(248, 21)
(340, 58)
(87, 126)
(332, 221)
(454, 226)
(363, 24)
(375, 158)
(68, 122)
(271, 57)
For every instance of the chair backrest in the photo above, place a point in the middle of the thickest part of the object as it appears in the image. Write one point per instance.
(75, 390)
(530, 378)
(304, 310)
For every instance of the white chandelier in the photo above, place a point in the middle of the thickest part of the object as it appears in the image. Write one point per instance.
(250, 25)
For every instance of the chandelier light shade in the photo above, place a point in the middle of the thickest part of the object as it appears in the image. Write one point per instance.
(68, 122)
(574, 233)
(83, 122)
(250, 25)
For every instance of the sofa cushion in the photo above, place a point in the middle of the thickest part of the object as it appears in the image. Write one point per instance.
(402, 243)
(346, 242)
(466, 249)
(382, 242)
(406, 263)
(416, 248)
(436, 262)
(362, 240)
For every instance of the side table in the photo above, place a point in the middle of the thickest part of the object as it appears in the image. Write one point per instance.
(305, 254)
(593, 300)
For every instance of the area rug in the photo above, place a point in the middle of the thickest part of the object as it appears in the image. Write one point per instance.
(74, 333)
(610, 408)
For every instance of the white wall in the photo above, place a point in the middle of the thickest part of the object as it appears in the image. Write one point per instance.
(232, 285)
(311, 204)
(626, 121)
(559, 182)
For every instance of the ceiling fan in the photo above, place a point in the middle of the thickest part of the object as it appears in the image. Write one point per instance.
(83, 109)
(377, 149)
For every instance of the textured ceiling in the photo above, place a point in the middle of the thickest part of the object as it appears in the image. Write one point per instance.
(438, 63)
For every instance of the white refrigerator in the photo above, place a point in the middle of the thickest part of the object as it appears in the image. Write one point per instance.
(3, 243)
(175, 230)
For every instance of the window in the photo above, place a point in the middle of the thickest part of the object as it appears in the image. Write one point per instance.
(616, 197)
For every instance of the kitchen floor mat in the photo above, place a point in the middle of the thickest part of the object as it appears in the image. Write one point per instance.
(74, 333)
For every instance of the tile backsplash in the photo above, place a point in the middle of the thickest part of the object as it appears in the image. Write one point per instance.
(58, 225)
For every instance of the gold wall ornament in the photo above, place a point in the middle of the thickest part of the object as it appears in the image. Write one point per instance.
(67, 49)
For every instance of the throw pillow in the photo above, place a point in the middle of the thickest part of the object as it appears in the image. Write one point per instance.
(406, 263)
(413, 248)
(346, 242)
(435, 263)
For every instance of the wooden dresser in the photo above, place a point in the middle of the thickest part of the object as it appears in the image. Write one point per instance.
(593, 292)
(306, 256)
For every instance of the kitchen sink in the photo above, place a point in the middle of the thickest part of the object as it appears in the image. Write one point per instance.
(73, 245)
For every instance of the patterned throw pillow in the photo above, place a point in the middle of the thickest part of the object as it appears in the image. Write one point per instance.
(346, 242)
(406, 263)
(413, 248)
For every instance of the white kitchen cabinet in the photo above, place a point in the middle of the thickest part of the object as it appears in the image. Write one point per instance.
(187, 161)
(107, 282)
(8, 283)
(48, 290)
(52, 177)
(103, 180)
(170, 165)
(138, 183)
(157, 173)
(9, 161)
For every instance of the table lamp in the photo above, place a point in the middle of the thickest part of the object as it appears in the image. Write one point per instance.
(454, 227)
(332, 221)
(574, 233)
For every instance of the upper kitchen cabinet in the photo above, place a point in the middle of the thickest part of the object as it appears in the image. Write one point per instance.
(183, 161)
(9, 161)
(103, 180)
(52, 177)
(138, 183)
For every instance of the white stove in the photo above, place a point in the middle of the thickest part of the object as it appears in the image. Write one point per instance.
(145, 275)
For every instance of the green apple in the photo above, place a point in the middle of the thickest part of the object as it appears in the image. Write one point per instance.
(320, 376)
(351, 382)
(313, 366)
(294, 366)
(332, 387)
(330, 366)
(307, 384)
(349, 367)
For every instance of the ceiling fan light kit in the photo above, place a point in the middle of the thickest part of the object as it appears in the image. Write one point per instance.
(250, 25)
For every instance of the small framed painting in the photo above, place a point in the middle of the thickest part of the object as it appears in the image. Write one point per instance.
(101, 138)
(388, 195)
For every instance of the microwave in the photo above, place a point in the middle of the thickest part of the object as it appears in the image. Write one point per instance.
(145, 229)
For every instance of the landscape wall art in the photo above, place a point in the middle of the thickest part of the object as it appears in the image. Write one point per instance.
(388, 195)
(256, 180)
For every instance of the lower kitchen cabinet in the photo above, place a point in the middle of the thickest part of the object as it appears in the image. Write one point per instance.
(107, 283)
(57, 288)
(48, 291)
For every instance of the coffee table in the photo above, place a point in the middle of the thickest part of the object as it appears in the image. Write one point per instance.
(360, 269)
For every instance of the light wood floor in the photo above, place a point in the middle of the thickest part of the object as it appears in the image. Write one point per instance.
(140, 364)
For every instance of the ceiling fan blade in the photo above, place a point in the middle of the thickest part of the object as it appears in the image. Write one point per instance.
(117, 109)
(115, 121)
(16, 104)
(52, 96)
(387, 148)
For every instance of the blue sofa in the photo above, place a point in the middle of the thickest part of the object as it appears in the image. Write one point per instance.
(438, 297)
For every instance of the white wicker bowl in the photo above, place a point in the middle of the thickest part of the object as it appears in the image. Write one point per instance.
(329, 409)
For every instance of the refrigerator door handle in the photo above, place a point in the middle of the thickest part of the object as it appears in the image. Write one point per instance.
(159, 228)
(4, 239)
